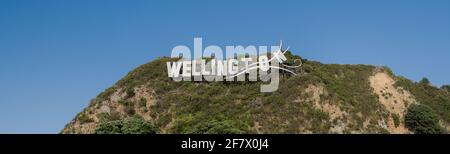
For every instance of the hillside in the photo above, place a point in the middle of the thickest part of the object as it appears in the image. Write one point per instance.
(322, 98)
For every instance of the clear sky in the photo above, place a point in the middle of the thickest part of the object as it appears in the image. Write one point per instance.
(57, 55)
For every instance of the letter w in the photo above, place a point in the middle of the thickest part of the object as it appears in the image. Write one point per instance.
(173, 70)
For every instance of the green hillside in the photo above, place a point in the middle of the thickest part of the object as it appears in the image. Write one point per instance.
(321, 98)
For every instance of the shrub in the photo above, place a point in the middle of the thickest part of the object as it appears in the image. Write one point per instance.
(128, 107)
(127, 126)
(214, 124)
(219, 127)
(138, 126)
(424, 81)
(142, 103)
(422, 120)
(446, 88)
(83, 118)
(396, 119)
(105, 94)
(129, 110)
(105, 117)
(130, 92)
(111, 127)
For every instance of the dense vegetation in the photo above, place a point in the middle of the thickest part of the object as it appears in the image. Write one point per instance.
(438, 99)
(127, 126)
(422, 120)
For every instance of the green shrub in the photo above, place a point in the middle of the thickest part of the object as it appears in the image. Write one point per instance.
(424, 81)
(127, 126)
(218, 127)
(396, 119)
(446, 88)
(105, 95)
(128, 107)
(138, 126)
(83, 118)
(142, 103)
(200, 123)
(130, 93)
(129, 110)
(111, 127)
(422, 120)
(105, 117)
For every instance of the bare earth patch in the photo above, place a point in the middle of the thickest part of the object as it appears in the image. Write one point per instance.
(395, 100)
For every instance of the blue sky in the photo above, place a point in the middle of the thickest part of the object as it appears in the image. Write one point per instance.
(57, 55)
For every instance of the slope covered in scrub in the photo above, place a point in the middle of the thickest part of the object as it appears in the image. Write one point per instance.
(321, 98)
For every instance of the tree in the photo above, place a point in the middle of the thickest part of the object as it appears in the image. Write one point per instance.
(424, 81)
(422, 120)
(446, 88)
